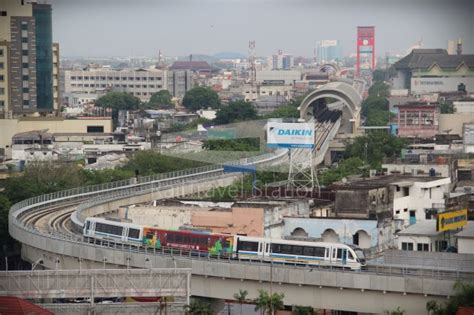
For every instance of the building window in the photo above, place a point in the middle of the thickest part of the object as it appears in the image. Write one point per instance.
(2, 103)
(1, 52)
(117, 78)
(441, 246)
(86, 78)
(24, 39)
(152, 86)
(26, 90)
(26, 102)
(91, 129)
(1, 77)
(3, 13)
(144, 86)
(25, 78)
(73, 78)
(24, 65)
(130, 78)
(2, 91)
(423, 247)
(1, 65)
(138, 79)
(407, 246)
(151, 79)
(24, 52)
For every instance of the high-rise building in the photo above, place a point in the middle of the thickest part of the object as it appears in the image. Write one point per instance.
(26, 54)
(328, 50)
(282, 61)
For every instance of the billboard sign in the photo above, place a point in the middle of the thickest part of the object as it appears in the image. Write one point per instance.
(451, 220)
(290, 135)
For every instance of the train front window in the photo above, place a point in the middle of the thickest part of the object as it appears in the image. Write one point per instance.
(350, 256)
(360, 254)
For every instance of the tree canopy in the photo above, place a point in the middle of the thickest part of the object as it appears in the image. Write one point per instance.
(463, 297)
(160, 100)
(235, 111)
(201, 97)
(374, 146)
(118, 101)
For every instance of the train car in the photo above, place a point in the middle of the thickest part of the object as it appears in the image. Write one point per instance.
(308, 253)
(121, 232)
(196, 241)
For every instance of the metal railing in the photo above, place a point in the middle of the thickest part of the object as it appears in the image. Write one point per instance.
(120, 189)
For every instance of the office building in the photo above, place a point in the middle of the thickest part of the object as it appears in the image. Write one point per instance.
(142, 83)
(179, 82)
(328, 50)
(26, 54)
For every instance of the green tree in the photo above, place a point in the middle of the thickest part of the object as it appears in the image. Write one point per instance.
(374, 146)
(241, 298)
(285, 111)
(446, 108)
(463, 297)
(5, 237)
(198, 307)
(160, 100)
(378, 118)
(398, 311)
(379, 75)
(350, 166)
(269, 304)
(201, 97)
(302, 310)
(118, 101)
(235, 111)
(379, 89)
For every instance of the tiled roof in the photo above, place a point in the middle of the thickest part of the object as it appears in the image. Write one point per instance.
(426, 58)
(190, 65)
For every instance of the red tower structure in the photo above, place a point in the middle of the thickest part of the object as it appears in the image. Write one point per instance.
(365, 45)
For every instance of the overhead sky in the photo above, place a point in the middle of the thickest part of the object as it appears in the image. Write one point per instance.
(182, 27)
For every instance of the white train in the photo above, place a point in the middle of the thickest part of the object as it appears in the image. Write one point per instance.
(233, 246)
(298, 252)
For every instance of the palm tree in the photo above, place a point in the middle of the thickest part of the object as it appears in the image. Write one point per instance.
(264, 302)
(198, 307)
(241, 298)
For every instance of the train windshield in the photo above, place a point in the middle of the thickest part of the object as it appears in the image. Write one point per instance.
(359, 253)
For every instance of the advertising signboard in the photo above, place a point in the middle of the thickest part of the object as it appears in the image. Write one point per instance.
(451, 220)
(290, 135)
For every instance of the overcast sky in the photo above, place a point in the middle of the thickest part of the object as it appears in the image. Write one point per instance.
(181, 27)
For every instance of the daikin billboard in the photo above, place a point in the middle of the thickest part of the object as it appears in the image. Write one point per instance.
(290, 135)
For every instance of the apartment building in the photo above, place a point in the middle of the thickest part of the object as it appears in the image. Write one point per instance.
(26, 58)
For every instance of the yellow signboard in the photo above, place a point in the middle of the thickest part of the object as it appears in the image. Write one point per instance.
(451, 220)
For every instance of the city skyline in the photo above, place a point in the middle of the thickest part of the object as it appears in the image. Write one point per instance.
(186, 27)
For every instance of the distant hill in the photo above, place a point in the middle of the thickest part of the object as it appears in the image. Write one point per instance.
(229, 55)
